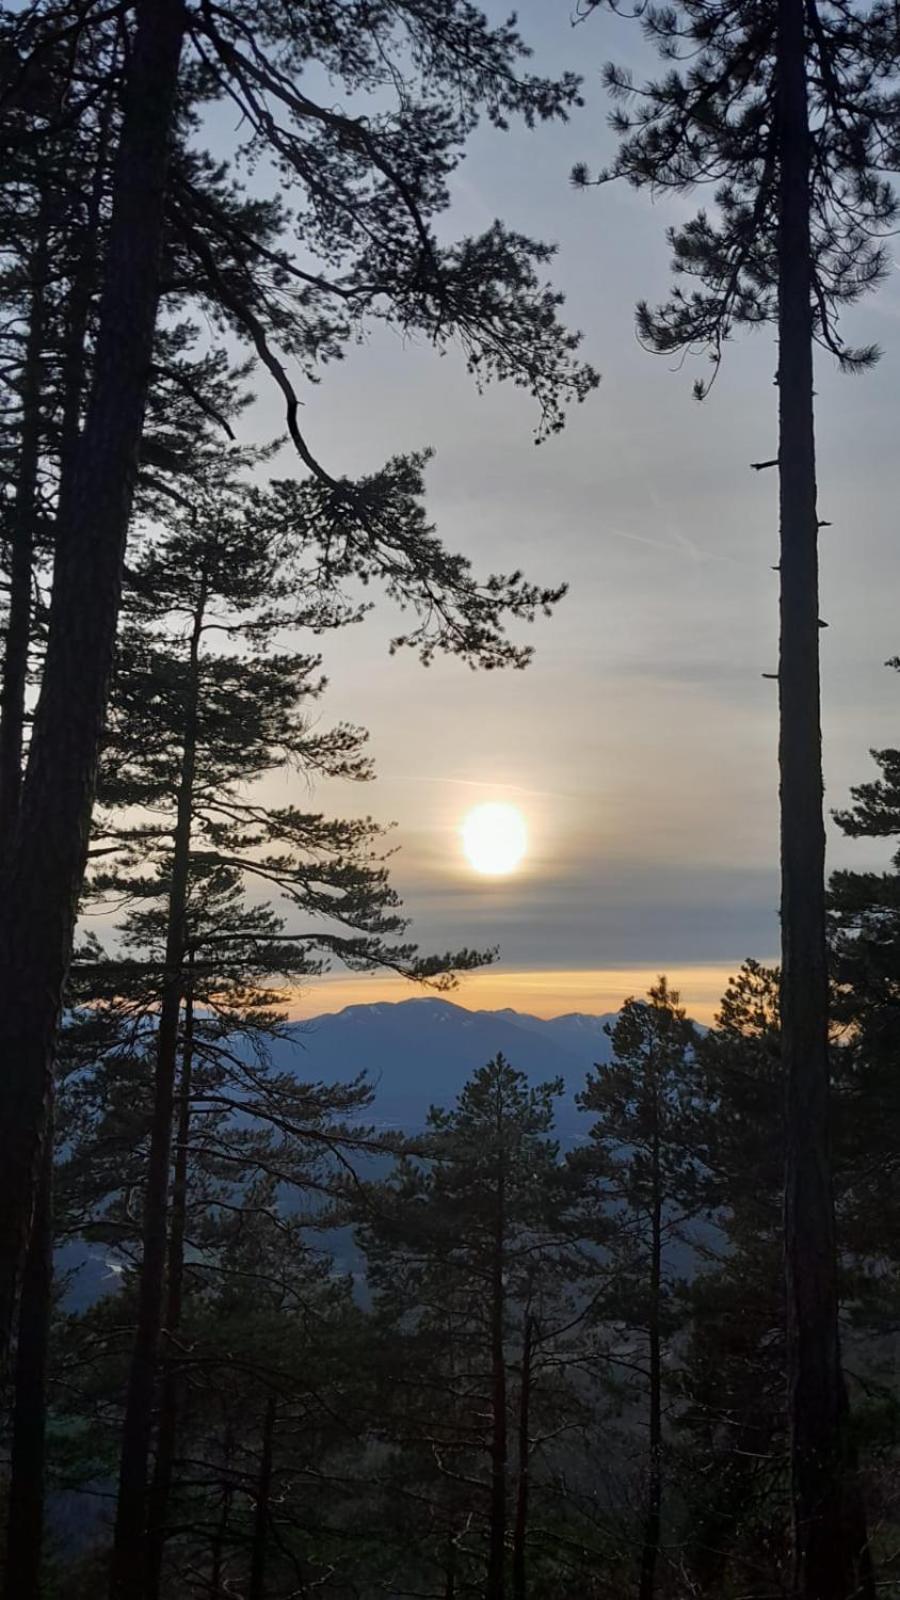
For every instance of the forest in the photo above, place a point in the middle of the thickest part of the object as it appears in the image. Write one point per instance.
(647, 1347)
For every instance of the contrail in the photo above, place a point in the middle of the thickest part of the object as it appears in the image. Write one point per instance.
(478, 783)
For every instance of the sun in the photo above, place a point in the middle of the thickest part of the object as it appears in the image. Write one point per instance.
(494, 838)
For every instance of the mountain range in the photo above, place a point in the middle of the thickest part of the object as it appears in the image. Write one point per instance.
(419, 1053)
(416, 1053)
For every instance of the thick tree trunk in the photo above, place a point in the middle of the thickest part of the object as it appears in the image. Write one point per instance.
(72, 384)
(161, 1487)
(79, 300)
(497, 1526)
(129, 1564)
(26, 1499)
(25, 1505)
(520, 1530)
(653, 1517)
(40, 894)
(261, 1515)
(21, 573)
(829, 1525)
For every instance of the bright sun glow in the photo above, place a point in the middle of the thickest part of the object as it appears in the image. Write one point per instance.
(494, 838)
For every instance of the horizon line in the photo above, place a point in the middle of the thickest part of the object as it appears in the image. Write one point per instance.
(538, 991)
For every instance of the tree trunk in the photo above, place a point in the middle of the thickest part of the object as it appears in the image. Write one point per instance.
(830, 1560)
(519, 1571)
(18, 629)
(653, 1518)
(129, 1569)
(78, 304)
(40, 894)
(25, 1504)
(218, 1548)
(168, 1400)
(25, 1513)
(450, 1568)
(261, 1516)
(497, 1527)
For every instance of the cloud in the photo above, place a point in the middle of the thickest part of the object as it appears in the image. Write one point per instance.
(607, 915)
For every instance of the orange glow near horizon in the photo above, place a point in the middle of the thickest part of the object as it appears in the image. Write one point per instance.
(544, 993)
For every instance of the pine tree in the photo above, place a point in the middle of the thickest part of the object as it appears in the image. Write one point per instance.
(470, 1250)
(51, 199)
(193, 730)
(53, 203)
(268, 1341)
(21, 536)
(865, 938)
(26, 1497)
(35, 939)
(642, 1170)
(730, 1418)
(788, 110)
(368, 191)
(730, 1405)
(59, 193)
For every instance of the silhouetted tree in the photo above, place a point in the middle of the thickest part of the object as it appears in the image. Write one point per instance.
(44, 877)
(730, 1389)
(192, 730)
(267, 1325)
(788, 109)
(865, 936)
(470, 1252)
(642, 1166)
(368, 189)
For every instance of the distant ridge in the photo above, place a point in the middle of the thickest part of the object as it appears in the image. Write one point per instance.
(419, 1052)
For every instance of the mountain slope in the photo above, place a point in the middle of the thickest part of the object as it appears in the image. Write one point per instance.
(420, 1052)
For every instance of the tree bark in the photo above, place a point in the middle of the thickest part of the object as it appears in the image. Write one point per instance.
(261, 1516)
(129, 1566)
(40, 894)
(26, 1499)
(161, 1487)
(653, 1517)
(18, 629)
(79, 300)
(25, 1504)
(830, 1551)
(497, 1526)
(519, 1568)
(221, 1533)
(450, 1568)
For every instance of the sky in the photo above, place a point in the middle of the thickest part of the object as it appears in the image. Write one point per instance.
(640, 745)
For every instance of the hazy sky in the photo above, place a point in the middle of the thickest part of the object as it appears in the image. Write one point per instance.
(640, 744)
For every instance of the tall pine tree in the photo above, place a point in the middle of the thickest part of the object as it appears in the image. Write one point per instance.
(194, 730)
(368, 190)
(469, 1249)
(787, 109)
(642, 1169)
